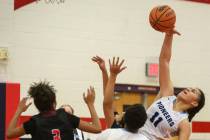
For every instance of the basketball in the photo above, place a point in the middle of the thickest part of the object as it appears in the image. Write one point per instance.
(162, 18)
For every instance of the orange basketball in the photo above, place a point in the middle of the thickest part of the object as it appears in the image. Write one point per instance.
(162, 18)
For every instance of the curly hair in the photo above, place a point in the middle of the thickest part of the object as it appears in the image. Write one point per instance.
(44, 96)
(135, 117)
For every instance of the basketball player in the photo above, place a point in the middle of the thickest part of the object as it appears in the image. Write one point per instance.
(171, 115)
(134, 118)
(52, 124)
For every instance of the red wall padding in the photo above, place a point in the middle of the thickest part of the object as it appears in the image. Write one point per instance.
(9, 98)
(201, 127)
(12, 100)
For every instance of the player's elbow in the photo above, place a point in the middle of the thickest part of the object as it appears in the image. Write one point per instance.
(9, 134)
(99, 130)
(164, 59)
(96, 128)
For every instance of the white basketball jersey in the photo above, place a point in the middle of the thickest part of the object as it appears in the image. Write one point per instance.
(162, 119)
(120, 134)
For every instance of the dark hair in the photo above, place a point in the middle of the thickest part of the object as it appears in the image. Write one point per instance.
(116, 113)
(44, 96)
(135, 117)
(195, 110)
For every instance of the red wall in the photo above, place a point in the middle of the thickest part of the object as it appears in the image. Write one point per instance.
(10, 96)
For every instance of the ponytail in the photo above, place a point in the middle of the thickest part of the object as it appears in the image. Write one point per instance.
(193, 111)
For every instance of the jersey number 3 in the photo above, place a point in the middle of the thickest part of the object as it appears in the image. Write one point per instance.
(56, 133)
(155, 119)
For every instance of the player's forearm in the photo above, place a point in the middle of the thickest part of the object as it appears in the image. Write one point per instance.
(95, 119)
(109, 92)
(13, 123)
(165, 54)
(105, 79)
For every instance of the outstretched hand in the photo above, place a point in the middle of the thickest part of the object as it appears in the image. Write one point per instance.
(116, 66)
(23, 106)
(89, 98)
(100, 62)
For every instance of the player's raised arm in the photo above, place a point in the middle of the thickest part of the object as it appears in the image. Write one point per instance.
(95, 126)
(101, 63)
(166, 87)
(115, 68)
(15, 131)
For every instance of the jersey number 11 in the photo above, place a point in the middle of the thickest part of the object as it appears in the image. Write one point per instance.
(155, 119)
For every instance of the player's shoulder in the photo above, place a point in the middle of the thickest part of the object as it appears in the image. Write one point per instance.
(185, 126)
(167, 98)
(185, 123)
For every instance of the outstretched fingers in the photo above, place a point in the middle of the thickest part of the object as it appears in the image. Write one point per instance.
(123, 68)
